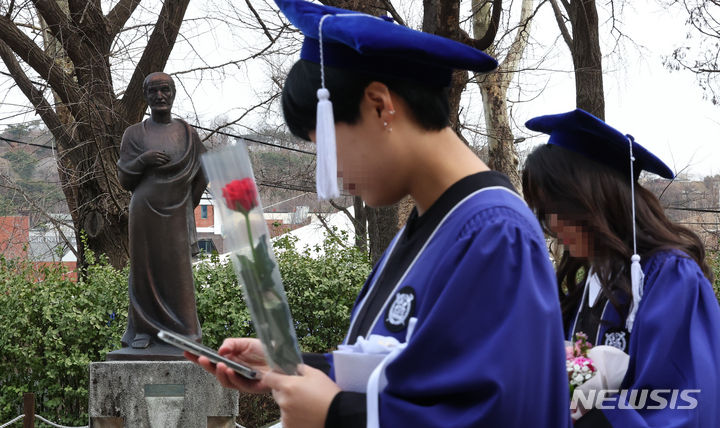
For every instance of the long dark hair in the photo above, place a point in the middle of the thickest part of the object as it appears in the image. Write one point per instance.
(578, 189)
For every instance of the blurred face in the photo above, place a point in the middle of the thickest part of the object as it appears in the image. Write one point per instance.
(572, 235)
(369, 163)
(159, 94)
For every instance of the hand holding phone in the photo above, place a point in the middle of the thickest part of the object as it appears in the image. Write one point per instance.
(195, 348)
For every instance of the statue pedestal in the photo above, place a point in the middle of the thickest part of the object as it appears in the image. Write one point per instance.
(158, 394)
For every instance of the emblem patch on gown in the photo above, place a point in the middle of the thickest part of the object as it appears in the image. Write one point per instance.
(618, 338)
(400, 310)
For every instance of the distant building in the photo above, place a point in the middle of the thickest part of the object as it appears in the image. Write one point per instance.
(14, 236)
(209, 224)
(52, 242)
(42, 245)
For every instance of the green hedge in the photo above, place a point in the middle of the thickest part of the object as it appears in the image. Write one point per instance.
(52, 328)
(714, 260)
(321, 284)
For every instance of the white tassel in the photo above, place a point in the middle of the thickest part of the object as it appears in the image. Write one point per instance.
(637, 279)
(636, 274)
(326, 173)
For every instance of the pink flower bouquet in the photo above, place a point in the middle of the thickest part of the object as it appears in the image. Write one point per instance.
(580, 368)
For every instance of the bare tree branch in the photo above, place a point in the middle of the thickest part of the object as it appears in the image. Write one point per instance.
(489, 37)
(242, 116)
(119, 15)
(11, 6)
(154, 56)
(330, 230)
(566, 5)
(391, 10)
(59, 25)
(82, 11)
(345, 211)
(517, 48)
(40, 62)
(42, 106)
(57, 224)
(561, 24)
(260, 21)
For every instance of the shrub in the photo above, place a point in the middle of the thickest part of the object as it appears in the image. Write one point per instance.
(220, 303)
(714, 261)
(321, 285)
(52, 328)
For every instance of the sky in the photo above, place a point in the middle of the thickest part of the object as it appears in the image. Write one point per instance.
(664, 111)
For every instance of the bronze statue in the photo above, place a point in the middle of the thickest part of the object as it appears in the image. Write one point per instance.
(160, 164)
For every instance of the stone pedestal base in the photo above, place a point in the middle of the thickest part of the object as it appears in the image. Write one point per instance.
(158, 394)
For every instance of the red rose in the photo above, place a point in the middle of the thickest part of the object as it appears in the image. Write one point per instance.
(241, 195)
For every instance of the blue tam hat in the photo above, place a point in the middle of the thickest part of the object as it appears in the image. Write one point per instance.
(356, 41)
(587, 135)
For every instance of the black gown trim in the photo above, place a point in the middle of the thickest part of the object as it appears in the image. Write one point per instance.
(595, 418)
(408, 245)
(348, 409)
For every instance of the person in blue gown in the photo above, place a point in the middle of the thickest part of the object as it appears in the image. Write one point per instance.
(580, 186)
(466, 286)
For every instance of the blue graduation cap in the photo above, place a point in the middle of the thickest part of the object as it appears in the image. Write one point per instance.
(355, 41)
(587, 135)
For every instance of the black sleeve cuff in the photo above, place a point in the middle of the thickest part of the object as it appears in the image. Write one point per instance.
(316, 361)
(347, 410)
(595, 418)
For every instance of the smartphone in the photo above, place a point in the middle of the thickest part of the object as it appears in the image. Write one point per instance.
(195, 348)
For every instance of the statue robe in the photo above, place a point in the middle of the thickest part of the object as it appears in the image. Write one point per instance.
(162, 230)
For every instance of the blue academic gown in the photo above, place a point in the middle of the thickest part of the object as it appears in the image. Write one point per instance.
(674, 344)
(487, 349)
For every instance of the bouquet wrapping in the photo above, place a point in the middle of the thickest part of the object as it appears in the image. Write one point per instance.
(599, 368)
(246, 237)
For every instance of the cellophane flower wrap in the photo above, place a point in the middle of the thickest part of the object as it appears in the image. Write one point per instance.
(579, 367)
(246, 237)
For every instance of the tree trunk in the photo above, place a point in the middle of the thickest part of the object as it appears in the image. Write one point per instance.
(360, 224)
(502, 153)
(99, 225)
(584, 47)
(442, 17)
(587, 58)
(89, 119)
(371, 7)
(382, 227)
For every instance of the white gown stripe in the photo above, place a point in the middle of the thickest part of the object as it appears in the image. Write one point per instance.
(427, 242)
(362, 303)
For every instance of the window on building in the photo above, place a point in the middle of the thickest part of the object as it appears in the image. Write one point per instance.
(207, 246)
(203, 211)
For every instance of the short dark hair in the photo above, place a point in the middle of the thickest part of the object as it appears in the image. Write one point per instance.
(428, 105)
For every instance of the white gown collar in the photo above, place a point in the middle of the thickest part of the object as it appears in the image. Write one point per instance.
(593, 286)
